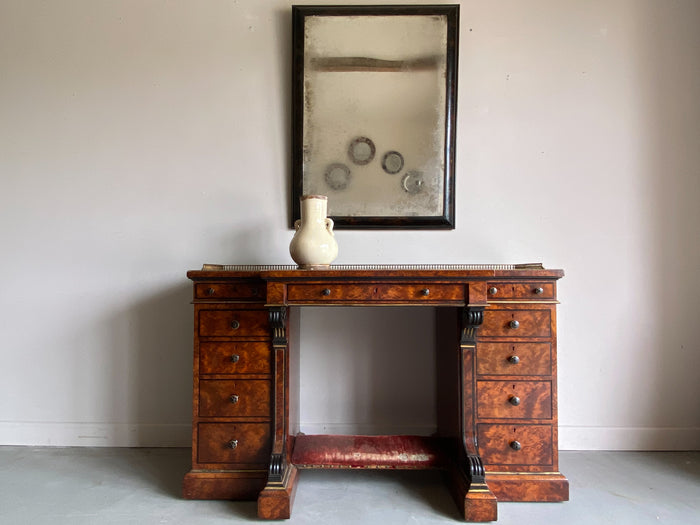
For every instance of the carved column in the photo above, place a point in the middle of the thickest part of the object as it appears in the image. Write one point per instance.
(275, 501)
(479, 503)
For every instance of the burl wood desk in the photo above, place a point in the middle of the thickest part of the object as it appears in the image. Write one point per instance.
(496, 409)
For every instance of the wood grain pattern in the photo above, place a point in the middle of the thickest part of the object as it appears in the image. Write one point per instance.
(374, 292)
(529, 487)
(495, 399)
(252, 398)
(233, 323)
(495, 444)
(223, 485)
(496, 359)
(531, 323)
(518, 290)
(275, 502)
(252, 449)
(235, 357)
(241, 291)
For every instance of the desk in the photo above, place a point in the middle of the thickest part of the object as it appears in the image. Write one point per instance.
(496, 394)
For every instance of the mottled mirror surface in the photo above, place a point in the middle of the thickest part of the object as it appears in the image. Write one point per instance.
(372, 86)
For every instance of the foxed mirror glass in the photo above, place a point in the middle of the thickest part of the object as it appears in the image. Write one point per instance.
(374, 113)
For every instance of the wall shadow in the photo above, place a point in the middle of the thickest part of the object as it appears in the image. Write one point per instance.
(671, 51)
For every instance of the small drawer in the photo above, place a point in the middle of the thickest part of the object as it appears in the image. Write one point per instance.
(235, 358)
(232, 398)
(535, 290)
(516, 323)
(514, 359)
(229, 291)
(515, 444)
(320, 293)
(514, 399)
(422, 292)
(233, 323)
(238, 443)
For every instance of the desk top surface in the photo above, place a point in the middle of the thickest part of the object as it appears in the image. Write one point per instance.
(375, 271)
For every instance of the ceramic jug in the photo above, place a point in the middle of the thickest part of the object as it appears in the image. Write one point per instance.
(313, 245)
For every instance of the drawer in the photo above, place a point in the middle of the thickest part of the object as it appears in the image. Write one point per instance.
(514, 399)
(394, 293)
(230, 291)
(235, 358)
(233, 323)
(514, 359)
(241, 443)
(232, 398)
(498, 291)
(329, 292)
(515, 444)
(516, 323)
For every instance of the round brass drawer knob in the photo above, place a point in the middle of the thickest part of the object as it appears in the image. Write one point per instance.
(514, 400)
(425, 291)
(514, 359)
(326, 291)
(538, 290)
(515, 445)
(233, 444)
(211, 291)
(493, 290)
(235, 358)
(514, 324)
(234, 399)
(235, 325)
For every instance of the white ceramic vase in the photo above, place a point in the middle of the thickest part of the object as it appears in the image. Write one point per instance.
(313, 245)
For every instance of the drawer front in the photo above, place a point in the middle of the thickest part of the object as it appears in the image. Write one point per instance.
(235, 358)
(498, 291)
(515, 444)
(242, 443)
(422, 292)
(233, 323)
(516, 323)
(330, 293)
(514, 399)
(229, 291)
(514, 359)
(231, 398)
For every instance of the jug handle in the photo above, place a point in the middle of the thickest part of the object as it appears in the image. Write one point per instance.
(329, 225)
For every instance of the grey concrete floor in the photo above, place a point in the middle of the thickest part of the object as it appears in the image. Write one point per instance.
(142, 486)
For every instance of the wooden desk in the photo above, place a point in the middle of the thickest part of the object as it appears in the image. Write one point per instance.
(496, 386)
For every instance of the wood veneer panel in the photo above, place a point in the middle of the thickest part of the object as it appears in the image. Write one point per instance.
(495, 399)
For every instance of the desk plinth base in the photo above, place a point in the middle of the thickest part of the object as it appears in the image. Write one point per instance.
(221, 485)
(543, 487)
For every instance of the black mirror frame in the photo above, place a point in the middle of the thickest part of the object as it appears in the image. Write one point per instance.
(447, 219)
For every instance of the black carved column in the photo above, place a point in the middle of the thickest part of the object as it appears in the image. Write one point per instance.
(278, 324)
(479, 502)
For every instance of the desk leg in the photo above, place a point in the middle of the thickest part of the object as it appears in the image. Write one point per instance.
(276, 499)
(475, 500)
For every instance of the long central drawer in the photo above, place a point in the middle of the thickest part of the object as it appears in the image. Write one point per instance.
(400, 292)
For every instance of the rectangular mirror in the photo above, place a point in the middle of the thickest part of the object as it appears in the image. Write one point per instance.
(374, 113)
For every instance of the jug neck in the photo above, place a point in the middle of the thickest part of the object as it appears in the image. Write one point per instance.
(314, 207)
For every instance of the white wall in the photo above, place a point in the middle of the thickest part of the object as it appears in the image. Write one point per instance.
(141, 139)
